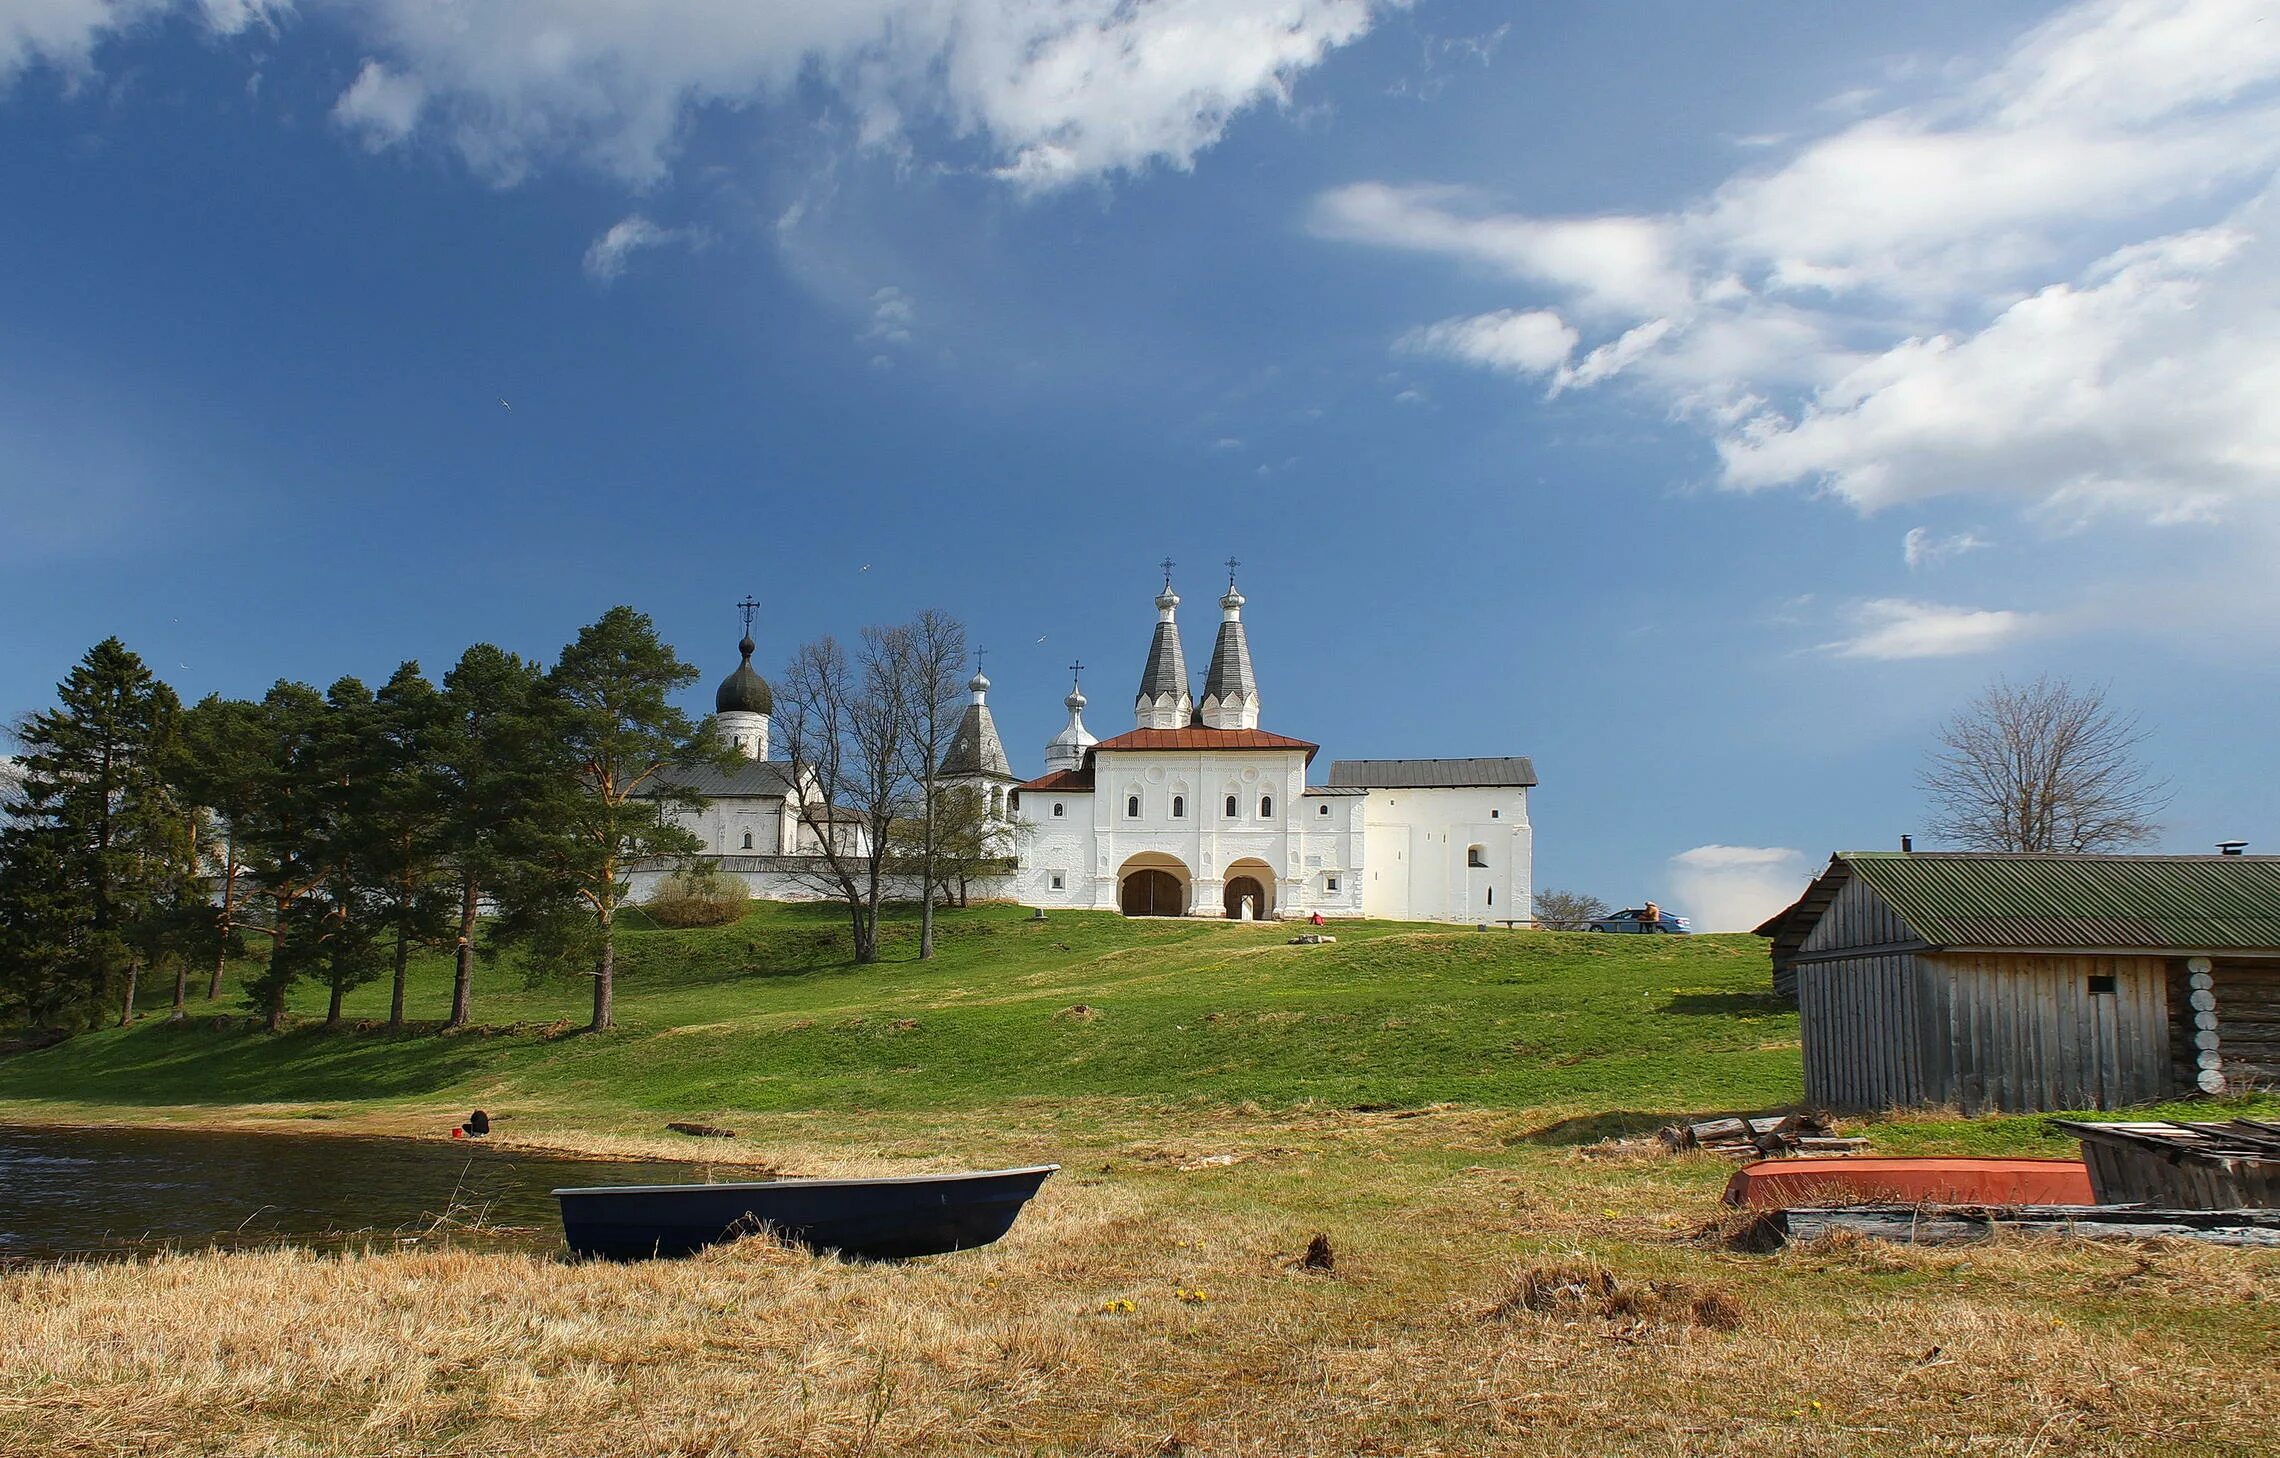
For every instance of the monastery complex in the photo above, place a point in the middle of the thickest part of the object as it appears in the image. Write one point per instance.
(1196, 810)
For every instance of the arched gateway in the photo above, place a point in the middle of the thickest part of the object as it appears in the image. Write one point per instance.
(1153, 884)
(1250, 893)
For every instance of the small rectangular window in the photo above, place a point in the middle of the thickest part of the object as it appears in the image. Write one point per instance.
(1330, 883)
(1058, 807)
(1492, 895)
(1325, 810)
(1496, 814)
(1056, 881)
(2103, 983)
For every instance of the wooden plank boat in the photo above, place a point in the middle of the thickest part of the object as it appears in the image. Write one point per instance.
(1952, 1225)
(1944, 1181)
(878, 1219)
(2231, 1165)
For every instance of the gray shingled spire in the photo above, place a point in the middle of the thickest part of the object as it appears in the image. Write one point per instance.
(975, 749)
(1163, 701)
(1230, 689)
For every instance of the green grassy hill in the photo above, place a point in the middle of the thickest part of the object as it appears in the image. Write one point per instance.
(770, 1015)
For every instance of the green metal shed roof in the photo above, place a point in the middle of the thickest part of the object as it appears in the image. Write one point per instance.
(1983, 899)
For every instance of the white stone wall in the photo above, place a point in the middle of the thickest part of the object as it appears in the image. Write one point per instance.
(799, 878)
(748, 732)
(723, 825)
(1294, 844)
(1417, 843)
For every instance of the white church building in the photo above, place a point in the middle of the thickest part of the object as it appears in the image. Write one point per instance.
(1195, 811)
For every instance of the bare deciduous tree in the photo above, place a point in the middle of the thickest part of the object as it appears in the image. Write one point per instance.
(933, 648)
(844, 726)
(2041, 767)
(1568, 910)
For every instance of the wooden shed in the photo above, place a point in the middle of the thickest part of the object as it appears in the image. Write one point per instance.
(2017, 983)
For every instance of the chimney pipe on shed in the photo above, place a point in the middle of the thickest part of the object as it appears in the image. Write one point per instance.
(1907, 842)
(2231, 847)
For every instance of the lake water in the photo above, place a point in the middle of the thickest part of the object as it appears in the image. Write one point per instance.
(65, 1192)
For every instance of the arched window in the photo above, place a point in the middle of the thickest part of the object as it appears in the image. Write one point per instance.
(1476, 855)
(1179, 807)
(1232, 812)
(1059, 809)
(1266, 806)
(748, 840)
(1132, 807)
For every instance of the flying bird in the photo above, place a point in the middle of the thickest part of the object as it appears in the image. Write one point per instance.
(503, 405)
(866, 566)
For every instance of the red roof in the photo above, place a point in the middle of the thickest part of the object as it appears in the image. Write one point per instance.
(1076, 779)
(1201, 738)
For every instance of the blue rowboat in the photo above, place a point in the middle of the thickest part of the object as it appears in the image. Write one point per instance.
(877, 1219)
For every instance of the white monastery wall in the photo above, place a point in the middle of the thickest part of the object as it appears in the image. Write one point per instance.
(1421, 843)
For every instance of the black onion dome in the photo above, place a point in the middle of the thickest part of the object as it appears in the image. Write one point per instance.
(744, 691)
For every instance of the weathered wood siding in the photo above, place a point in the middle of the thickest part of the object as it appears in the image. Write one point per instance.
(1857, 918)
(1863, 1032)
(1989, 1032)
(2025, 1032)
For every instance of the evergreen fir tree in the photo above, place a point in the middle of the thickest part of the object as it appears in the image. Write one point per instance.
(607, 704)
(97, 855)
(493, 760)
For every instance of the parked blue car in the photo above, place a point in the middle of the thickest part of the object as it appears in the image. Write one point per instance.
(1636, 920)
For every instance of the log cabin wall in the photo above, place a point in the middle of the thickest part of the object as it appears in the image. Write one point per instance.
(2027, 1032)
(2248, 1023)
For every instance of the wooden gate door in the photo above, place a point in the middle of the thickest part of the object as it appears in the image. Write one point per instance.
(1151, 893)
(1243, 889)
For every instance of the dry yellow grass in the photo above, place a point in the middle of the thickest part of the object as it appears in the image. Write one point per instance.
(1488, 1297)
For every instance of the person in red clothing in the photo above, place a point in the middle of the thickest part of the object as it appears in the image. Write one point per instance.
(1316, 919)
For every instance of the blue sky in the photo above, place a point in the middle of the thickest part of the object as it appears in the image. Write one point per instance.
(1704, 400)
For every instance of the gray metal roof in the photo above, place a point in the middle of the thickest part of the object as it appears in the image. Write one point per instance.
(744, 692)
(1230, 672)
(1166, 672)
(1431, 774)
(975, 748)
(746, 779)
(2058, 902)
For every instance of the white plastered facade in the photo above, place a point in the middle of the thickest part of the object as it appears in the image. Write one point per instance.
(1214, 815)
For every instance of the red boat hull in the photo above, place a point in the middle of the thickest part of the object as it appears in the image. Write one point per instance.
(1779, 1184)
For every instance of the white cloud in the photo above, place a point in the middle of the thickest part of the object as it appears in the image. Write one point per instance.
(1735, 887)
(607, 256)
(1056, 91)
(1930, 301)
(893, 315)
(1922, 548)
(380, 106)
(63, 33)
(1530, 342)
(1896, 628)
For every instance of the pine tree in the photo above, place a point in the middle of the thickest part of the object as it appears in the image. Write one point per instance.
(350, 763)
(606, 701)
(263, 769)
(217, 767)
(406, 815)
(492, 758)
(96, 856)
